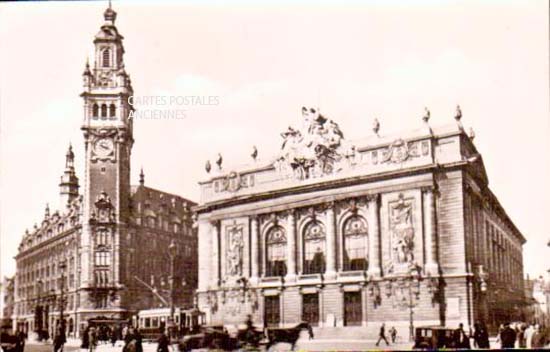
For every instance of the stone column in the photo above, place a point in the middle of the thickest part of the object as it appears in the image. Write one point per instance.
(291, 247)
(430, 226)
(331, 242)
(215, 259)
(373, 206)
(254, 249)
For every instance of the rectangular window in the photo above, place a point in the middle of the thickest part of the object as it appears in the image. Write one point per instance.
(310, 308)
(272, 311)
(353, 309)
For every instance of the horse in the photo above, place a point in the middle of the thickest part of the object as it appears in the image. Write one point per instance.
(288, 335)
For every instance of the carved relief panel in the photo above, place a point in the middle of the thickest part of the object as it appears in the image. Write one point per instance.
(235, 249)
(402, 236)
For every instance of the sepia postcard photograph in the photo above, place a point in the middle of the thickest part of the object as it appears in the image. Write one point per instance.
(274, 175)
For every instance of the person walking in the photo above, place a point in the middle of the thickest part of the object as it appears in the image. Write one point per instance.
(92, 339)
(521, 343)
(481, 336)
(20, 335)
(461, 339)
(539, 340)
(507, 337)
(59, 339)
(85, 341)
(163, 342)
(393, 334)
(382, 335)
(528, 335)
(113, 335)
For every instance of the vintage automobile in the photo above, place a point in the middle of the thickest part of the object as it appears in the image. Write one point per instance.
(218, 338)
(209, 336)
(8, 341)
(433, 338)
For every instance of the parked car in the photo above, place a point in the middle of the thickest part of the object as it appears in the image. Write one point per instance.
(8, 341)
(434, 337)
(211, 337)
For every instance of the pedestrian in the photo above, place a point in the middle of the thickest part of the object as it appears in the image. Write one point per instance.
(393, 334)
(92, 339)
(382, 335)
(521, 336)
(138, 338)
(528, 336)
(481, 336)
(85, 341)
(507, 337)
(310, 331)
(20, 335)
(461, 339)
(133, 341)
(59, 339)
(163, 342)
(113, 336)
(539, 340)
(124, 332)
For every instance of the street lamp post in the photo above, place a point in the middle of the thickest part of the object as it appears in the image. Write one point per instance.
(172, 252)
(62, 266)
(411, 285)
(39, 313)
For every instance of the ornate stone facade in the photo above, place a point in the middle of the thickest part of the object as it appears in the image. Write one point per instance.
(333, 232)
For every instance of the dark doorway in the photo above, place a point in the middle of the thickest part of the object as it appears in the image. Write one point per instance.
(310, 308)
(353, 309)
(272, 311)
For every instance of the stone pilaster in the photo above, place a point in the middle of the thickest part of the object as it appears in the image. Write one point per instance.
(373, 206)
(331, 242)
(291, 247)
(254, 249)
(429, 228)
(215, 251)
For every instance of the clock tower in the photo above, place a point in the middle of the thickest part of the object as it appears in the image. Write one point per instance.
(108, 140)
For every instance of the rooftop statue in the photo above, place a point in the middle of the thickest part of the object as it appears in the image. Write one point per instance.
(314, 150)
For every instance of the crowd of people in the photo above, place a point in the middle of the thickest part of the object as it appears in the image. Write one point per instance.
(522, 335)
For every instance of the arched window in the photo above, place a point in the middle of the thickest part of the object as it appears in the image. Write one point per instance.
(106, 58)
(103, 110)
(355, 244)
(276, 252)
(112, 110)
(95, 110)
(314, 248)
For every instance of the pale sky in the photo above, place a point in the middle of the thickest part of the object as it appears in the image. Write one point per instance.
(263, 61)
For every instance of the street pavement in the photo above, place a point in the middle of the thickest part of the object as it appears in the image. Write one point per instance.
(46, 347)
(302, 345)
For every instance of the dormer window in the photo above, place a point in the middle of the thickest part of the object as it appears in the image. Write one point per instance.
(95, 110)
(106, 58)
(112, 110)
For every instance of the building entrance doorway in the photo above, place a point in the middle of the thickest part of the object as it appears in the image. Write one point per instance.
(310, 308)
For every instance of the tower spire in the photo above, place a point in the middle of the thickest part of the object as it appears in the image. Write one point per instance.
(141, 177)
(68, 188)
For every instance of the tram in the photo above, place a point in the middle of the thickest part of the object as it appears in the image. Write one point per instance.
(151, 322)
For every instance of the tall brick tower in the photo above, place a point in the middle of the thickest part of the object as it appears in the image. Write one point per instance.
(108, 143)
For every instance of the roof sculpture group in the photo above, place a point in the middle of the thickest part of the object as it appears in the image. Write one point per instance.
(317, 147)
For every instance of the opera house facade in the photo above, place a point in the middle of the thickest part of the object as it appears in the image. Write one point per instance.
(397, 229)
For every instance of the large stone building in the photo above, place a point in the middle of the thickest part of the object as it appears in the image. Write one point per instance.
(355, 234)
(107, 247)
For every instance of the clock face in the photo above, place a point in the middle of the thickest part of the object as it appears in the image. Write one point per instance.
(104, 147)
